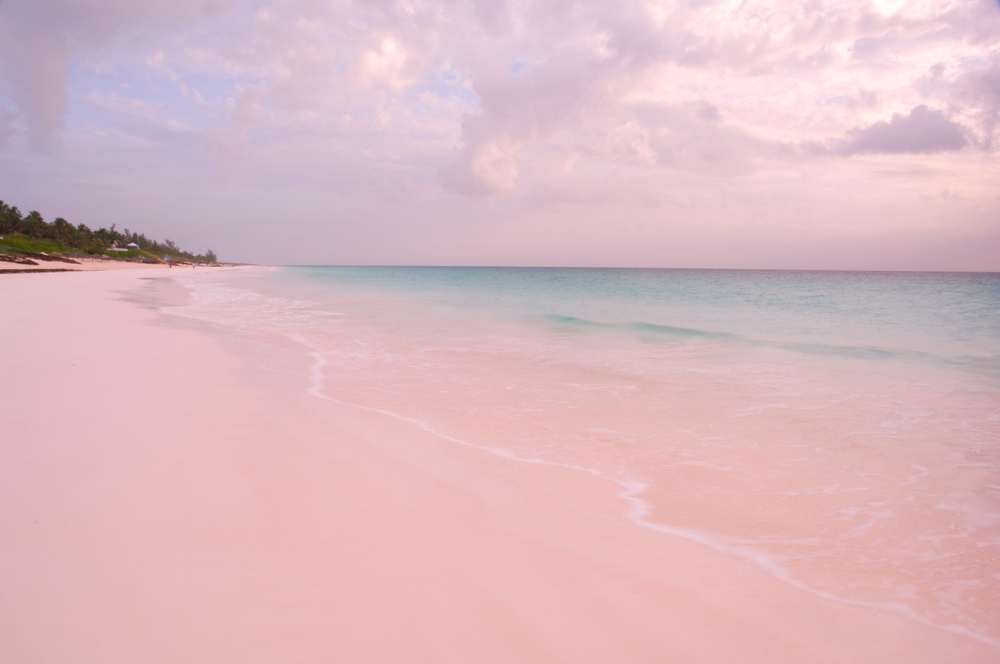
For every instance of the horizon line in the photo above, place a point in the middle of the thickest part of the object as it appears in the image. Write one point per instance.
(586, 267)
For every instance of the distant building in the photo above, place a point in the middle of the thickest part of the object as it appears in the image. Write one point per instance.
(114, 247)
(131, 245)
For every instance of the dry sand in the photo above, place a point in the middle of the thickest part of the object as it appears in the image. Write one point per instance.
(161, 502)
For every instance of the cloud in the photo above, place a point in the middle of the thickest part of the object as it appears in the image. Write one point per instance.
(528, 70)
(42, 38)
(695, 106)
(116, 105)
(493, 16)
(922, 131)
(33, 65)
(517, 109)
(980, 89)
(593, 63)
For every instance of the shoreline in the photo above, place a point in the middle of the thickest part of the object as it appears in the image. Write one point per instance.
(183, 505)
(97, 266)
(637, 510)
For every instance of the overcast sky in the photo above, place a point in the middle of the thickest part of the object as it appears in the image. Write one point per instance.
(678, 133)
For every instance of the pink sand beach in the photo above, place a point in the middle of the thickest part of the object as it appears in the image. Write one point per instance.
(161, 500)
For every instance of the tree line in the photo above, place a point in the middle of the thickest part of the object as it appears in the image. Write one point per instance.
(86, 240)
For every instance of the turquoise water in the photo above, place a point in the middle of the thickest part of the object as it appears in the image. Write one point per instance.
(841, 430)
(954, 316)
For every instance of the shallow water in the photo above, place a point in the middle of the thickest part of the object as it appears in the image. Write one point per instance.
(841, 430)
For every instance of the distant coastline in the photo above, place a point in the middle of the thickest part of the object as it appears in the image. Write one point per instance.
(29, 240)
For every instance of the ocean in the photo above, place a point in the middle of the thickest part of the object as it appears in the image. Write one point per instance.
(839, 430)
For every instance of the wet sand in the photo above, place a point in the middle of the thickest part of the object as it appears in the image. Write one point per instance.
(161, 501)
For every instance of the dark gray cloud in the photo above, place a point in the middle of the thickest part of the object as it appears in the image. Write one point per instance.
(922, 131)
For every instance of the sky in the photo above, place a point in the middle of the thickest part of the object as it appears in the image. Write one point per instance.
(823, 134)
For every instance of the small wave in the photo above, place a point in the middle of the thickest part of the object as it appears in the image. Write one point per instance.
(654, 328)
(857, 352)
(982, 364)
(576, 322)
(681, 331)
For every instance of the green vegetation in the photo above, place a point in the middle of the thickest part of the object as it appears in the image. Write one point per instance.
(30, 234)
